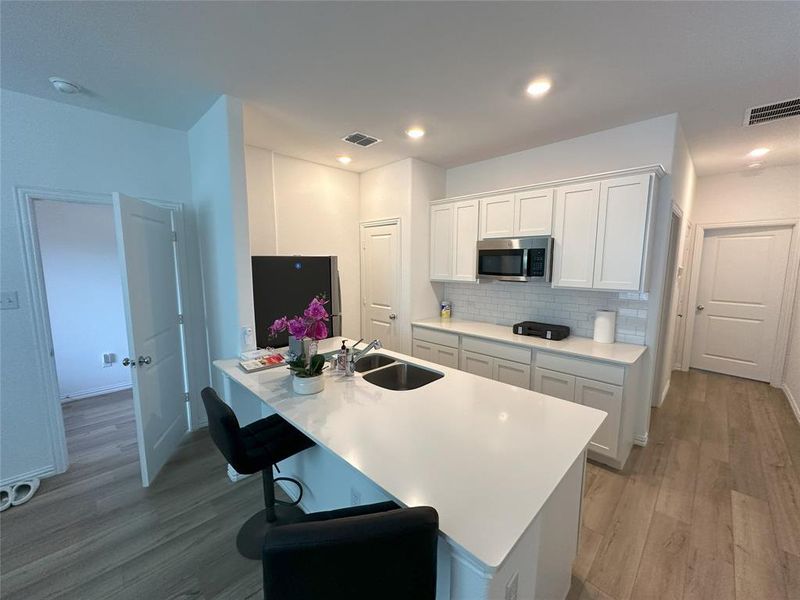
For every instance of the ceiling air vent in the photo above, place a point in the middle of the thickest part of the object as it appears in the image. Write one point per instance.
(771, 112)
(361, 139)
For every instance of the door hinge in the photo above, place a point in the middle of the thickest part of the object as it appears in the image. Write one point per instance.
(186, 397)
(174, 236)
(180, 319)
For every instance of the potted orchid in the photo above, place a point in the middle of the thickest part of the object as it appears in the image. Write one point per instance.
(306, 329)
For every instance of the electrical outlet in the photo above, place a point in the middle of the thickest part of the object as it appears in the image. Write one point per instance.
(108, 359)
(355, 497)
(9, 300)
(512, 587)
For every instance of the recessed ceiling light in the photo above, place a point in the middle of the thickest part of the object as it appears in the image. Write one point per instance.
(758, 152)
(345, 160)
(539, 87)
(64, 86)
(415, 132)
(755, 165)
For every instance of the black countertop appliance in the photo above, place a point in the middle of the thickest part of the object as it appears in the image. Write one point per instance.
(542, 330)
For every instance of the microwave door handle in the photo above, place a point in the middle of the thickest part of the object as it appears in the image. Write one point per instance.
(524, 263)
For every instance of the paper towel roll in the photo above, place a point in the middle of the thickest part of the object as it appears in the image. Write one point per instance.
(605, 324)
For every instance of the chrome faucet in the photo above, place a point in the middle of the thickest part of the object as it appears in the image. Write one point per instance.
(374, 344)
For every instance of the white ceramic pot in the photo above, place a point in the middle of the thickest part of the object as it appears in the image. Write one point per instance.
(308, 385)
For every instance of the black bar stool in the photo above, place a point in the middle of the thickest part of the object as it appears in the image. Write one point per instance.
(256, 447)
(358, 553)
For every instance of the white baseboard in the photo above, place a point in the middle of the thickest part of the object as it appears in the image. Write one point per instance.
(792, 401)
(640, 440)
(98, 391)
(41, 473)
(234, 475)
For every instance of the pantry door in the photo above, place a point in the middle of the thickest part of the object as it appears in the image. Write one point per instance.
(381, 270)
(740, 289)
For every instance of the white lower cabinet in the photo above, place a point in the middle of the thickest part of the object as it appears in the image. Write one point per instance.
(435, 353)
(512, 373)
(607, 398)
(552, 383)
(612, 442)
(499, 369)
(477, 364)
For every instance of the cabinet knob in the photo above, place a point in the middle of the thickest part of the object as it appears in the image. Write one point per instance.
(392, 316)
(700, 307)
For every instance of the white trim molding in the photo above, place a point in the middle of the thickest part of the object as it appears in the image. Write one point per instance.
(792, 401)
(641, 440)
(789, 290)
(98, 391)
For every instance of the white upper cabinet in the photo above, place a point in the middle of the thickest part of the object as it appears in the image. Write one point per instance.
(454, 236)
(622, 233)
(497, 216)
(575, 233)
(465, 238)
(533, 213)
(523, 214)
(441, 241)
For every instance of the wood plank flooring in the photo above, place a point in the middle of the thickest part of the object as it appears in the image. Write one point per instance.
(710, 509)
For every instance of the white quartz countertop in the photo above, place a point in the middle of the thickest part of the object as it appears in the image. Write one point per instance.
(626, 354)
(485, 454)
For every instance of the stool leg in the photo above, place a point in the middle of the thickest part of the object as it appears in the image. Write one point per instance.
(269, 494)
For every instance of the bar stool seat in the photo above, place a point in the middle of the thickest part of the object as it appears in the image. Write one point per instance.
(250, 449)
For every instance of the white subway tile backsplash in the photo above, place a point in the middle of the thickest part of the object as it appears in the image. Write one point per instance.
(506, 303)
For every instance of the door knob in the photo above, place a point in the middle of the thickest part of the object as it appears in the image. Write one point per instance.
(144, 360)
(392, 316)
(127, 362)
(700, 307)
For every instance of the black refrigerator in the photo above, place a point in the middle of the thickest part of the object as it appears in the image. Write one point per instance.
(284, 285)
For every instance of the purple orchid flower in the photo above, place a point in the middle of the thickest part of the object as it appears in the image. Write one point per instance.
(298, 328)
(316, 310)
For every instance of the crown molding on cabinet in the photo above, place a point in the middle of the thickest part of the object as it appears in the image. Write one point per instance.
(657, 169)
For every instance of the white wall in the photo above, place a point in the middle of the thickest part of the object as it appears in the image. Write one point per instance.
(84, 296)
(53, 145)
(216, 149)
(752, 195)
(643, 143)
(260, 201)
(316, 209)
(403, 189)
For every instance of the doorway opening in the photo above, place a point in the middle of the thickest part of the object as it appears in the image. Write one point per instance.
(146, 236)
(83, 289)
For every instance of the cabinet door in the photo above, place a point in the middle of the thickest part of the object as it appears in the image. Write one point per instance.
(621, 232)
(441, 241)
(442, 355)
(608, 398)
(512, 372)
(533, 213)
(552, 383)
(477, 364)
(497, 216)
(465, 238)
(423, 350)
(574, 235)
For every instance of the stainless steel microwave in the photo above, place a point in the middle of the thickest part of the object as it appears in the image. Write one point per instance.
(516, 259)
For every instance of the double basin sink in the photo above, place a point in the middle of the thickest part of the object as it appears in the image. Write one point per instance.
(392, 374)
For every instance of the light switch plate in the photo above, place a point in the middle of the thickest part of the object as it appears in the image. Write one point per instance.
(9, 300)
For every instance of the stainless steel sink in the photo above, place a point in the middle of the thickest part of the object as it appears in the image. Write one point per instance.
(402, 376)
(372, 361)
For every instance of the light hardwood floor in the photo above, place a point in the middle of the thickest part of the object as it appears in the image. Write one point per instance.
(710, 509)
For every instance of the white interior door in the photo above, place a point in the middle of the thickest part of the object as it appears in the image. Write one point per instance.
(152, 304)
(381, 268)
(739, 295)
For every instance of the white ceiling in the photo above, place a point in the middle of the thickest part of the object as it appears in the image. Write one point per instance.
(313, 72)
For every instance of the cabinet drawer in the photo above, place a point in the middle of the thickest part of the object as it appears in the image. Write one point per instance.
(435, 336)
(599, 371)
(498, 350)
(551, 383)
(436, 353)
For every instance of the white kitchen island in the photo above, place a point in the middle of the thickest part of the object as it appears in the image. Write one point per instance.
(503, 467)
